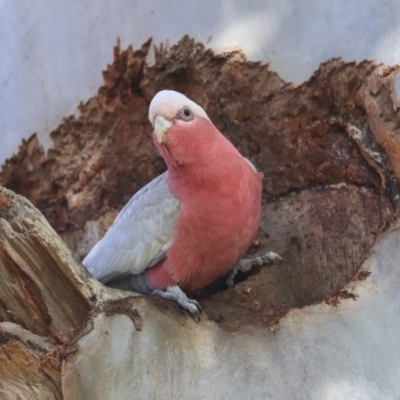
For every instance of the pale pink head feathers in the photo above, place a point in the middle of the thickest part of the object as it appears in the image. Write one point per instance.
(167, 103)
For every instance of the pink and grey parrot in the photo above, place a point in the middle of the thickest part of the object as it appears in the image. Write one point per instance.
(191, 224)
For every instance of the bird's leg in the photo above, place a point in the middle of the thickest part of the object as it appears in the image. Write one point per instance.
(176, 293)
(247, 264)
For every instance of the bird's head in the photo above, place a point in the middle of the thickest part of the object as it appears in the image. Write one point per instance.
(182, 129)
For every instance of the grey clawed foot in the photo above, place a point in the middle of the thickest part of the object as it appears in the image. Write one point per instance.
(175, 293)
(247, 264)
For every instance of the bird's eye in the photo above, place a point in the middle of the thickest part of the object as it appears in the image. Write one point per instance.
(186, 114)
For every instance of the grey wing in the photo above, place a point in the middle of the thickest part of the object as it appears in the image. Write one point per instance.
(140, 235)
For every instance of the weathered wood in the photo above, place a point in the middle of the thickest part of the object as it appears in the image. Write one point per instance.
(30, 367)
(43, 283)
(42, 289)
(46, 297)
(43, 293)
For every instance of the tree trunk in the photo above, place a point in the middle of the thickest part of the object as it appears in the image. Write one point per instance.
(330, 155)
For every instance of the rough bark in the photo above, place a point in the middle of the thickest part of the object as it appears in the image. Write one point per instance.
(328, 148)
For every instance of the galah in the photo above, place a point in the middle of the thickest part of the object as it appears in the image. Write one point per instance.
(191, 224)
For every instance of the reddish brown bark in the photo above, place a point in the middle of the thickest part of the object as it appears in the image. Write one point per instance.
(328, 148)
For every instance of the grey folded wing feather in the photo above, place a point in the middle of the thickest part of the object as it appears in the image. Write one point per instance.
(140, 235)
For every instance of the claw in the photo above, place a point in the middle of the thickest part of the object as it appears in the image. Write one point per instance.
(247, 264)
(175, 293)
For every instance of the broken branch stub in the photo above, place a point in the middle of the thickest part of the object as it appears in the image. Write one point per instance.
(42, 286)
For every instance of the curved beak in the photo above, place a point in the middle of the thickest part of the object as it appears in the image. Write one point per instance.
(161, 126)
